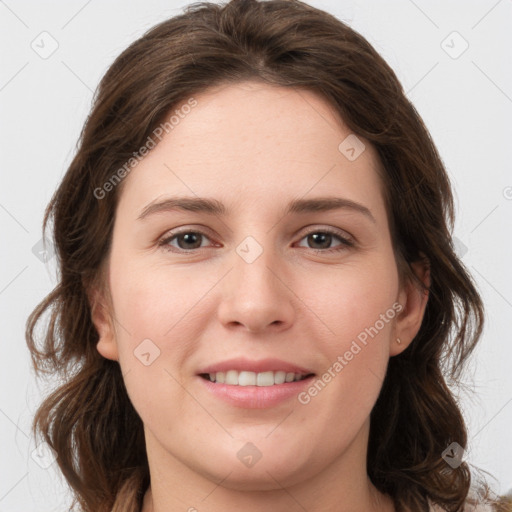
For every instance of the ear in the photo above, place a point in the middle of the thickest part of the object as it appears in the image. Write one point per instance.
(102, 320)
(414, 301)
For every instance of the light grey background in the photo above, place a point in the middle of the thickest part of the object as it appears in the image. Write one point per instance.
(465, 101)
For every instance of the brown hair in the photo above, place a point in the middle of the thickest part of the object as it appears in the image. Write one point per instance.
(89, 420)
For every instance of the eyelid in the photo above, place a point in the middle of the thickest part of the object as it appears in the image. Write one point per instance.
(188, 228)
(314, 228)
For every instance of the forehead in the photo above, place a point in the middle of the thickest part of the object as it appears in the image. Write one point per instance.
(249, 142)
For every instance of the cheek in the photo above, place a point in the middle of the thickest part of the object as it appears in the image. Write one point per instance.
(349, 300)
(154, 301)
(156, 332)
(354, 309)
(161, 316)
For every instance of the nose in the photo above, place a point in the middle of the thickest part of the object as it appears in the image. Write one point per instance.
(257, 295)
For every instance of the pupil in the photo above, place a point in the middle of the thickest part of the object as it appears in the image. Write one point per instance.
(189, 239)
(322, 236)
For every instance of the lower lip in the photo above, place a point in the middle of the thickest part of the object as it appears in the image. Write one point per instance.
(256, 397)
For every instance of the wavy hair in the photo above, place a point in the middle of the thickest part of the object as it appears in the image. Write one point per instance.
(89, 419)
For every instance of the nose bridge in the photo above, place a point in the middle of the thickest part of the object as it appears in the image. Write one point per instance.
(254, 293)
(256, 265)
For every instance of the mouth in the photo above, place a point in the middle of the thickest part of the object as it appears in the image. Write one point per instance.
(248, 378)
(255, 390)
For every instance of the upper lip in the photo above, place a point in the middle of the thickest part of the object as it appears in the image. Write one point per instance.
(259, 366)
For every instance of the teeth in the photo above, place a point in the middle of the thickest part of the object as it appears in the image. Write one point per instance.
(244, 378)
(249, 379)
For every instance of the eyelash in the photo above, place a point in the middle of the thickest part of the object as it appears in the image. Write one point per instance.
(345, 242)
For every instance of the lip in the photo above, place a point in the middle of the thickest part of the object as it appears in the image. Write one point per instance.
(262, 365)
(256, 397)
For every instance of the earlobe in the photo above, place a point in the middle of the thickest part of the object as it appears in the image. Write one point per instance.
(414, 301)
(102, 321)
(108, 349)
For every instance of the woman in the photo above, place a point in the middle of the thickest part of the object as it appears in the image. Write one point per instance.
(295, 356)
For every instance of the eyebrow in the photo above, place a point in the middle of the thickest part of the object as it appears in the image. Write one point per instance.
(214, 207)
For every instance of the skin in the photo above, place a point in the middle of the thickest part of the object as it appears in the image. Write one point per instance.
(254, 147)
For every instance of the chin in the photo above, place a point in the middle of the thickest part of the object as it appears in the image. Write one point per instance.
(264, 478)
(268, 473)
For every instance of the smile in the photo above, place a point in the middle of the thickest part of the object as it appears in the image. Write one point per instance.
(247, 378)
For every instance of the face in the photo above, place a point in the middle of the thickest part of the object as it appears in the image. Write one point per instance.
(256, 291)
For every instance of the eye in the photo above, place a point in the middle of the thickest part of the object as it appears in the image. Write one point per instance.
(324, 237)
(186, 240)
(189, 241)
